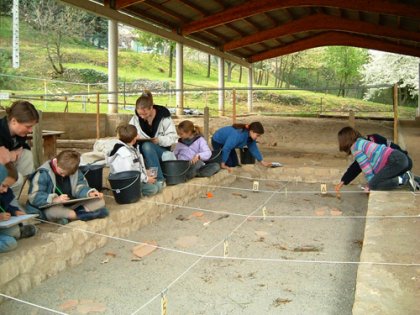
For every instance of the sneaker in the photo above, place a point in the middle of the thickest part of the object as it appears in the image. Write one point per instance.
(62, 221)
(27, 230)
(411, 180)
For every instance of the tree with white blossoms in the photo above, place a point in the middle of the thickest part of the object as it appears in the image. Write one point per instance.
(388, 69)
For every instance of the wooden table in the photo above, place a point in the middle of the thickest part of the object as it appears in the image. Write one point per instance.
(49, 138)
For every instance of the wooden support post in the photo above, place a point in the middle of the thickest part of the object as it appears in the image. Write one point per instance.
(395, 106)
(233, 106)
(37, 145)
(206, 123)
(66, 109)
(97, 116)
(352, 121)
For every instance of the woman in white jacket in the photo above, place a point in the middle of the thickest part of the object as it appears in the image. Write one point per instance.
(126, 157)
(156, 131)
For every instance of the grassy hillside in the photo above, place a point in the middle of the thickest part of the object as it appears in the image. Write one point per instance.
(133, 66)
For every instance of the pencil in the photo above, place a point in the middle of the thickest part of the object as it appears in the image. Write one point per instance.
(58, 190)
(1, 208)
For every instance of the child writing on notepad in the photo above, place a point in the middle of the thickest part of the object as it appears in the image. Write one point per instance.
(8, 208)
(60, 180)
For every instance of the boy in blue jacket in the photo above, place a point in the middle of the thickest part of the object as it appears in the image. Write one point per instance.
(60, 180)
(8, 208)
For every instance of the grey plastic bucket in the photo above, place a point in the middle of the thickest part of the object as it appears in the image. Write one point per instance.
(126, 186)
(175, 171)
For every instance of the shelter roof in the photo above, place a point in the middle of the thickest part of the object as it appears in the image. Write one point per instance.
(256, 30)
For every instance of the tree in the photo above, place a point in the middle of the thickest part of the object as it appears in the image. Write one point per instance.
(55, 22)
(386, 68)
(346, 62)
(159, 44)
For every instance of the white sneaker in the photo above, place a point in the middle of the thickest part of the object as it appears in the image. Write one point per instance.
(411, 181)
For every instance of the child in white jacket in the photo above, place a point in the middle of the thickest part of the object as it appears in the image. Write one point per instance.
(125, 157)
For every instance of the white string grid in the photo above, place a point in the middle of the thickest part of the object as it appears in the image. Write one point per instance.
(246, 217)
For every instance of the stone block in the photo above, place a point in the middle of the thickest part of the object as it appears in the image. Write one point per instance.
(9, 269)
(12, 288)
(76, 257)
(37, 278)
(27, 261)
(25, 283)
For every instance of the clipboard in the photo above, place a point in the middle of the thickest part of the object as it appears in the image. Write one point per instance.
(16, 220)
(67, 202)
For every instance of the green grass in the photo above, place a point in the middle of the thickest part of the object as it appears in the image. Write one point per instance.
(133, 66)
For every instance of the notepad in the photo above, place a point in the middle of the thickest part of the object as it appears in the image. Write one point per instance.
(16, 220)
(67, 202)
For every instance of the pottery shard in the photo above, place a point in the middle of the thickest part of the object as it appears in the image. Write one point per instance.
(336, 212)
(186, 241)
(143, 250)
(68, 305)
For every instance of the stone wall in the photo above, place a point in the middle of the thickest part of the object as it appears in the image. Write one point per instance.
(56, 248)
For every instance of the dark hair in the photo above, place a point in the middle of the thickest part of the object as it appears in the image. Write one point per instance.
(346, 137)
(23, 112)
(145, 100)
(255, 126)
(188, 126)
(69, 161)
(11, 170)
(126, 132)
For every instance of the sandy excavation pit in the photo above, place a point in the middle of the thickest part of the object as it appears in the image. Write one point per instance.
(269, 275)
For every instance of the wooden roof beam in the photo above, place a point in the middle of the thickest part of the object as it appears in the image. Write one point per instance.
(322, 22)
(336, 39)
(104, 11)
(120, 4)
(254, 7)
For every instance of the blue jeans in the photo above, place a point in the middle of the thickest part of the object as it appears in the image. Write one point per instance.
(387, 177)
(8, 238)
(152, 154)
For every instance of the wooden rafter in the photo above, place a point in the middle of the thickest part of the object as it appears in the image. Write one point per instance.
(166, 11)
(193, 6)
(322, 22)
(336, 39)
(254, 7)
(120, 4)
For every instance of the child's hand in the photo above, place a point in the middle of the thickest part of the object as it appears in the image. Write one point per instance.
(195, 159)
(61, 198)
(19, 212)
(155, 140)
(4, 155)
(266, 164)
(151, 179)
(4, 216)
(338, 187)
(96, 194)
(224, 166)
(15, 154)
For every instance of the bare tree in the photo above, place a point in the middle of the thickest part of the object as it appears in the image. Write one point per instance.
(55, 22)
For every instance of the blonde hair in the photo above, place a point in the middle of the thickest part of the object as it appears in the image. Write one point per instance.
(69, 161)
(145, 100)
(188, 126)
